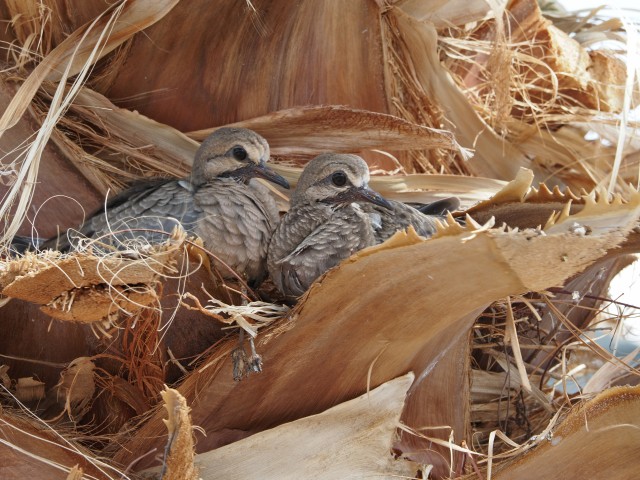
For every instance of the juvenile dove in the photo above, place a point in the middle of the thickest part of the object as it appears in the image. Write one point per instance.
(333, 214)
(220, 202)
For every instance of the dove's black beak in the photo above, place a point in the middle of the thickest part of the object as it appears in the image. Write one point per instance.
(358, 194)
(365, 193)
(259, 170)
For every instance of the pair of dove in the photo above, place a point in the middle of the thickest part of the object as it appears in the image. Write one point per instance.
(333, 212)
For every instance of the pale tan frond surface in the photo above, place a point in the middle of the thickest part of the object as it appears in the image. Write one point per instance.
(354, 437)
(503, 316)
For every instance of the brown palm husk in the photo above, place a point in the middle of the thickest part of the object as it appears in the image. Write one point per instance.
(440, 101)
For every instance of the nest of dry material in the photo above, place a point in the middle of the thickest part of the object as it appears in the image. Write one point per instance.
(476, 353)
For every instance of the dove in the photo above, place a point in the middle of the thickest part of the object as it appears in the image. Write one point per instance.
(333, 214)
(220, 202)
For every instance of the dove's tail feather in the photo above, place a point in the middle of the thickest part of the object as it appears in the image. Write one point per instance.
(439, 207)
(23, 244)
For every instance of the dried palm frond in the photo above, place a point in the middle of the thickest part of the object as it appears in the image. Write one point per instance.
(493, 317)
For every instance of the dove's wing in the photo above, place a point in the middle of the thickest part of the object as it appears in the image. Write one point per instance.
(143, 212)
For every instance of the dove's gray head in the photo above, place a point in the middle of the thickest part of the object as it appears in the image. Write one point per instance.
(238, 153)
(336, 178)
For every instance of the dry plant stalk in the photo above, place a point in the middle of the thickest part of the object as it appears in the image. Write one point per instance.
(179, 463)
(142, 359)
(553, 82)
(601, 435)
(33, 449)
(75, 55)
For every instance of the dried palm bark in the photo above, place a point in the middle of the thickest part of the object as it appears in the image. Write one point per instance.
(31, 448)
(340, 302)
(408, 84)
(87, 288)
(595, 428)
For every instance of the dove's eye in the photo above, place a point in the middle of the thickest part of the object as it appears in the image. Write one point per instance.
(239, 153)
(339, 179)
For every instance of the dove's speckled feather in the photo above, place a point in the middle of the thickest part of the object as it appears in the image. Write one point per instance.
(232, 214)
